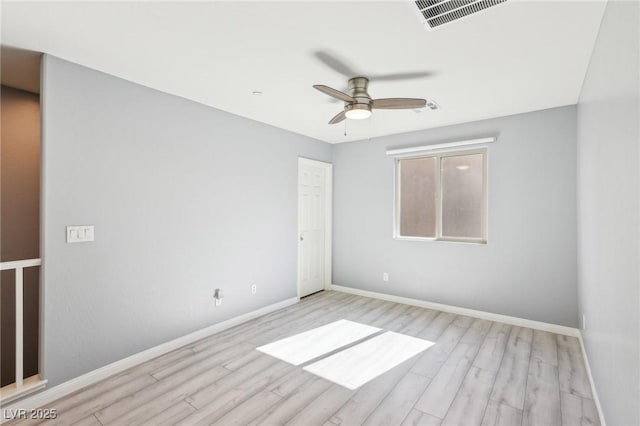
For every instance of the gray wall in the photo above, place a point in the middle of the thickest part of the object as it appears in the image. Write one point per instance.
(528, 267)
(184, 198)
(608, 212)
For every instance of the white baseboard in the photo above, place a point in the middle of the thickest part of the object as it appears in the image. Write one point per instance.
(47, 396)
(521, 322)
(594, 394)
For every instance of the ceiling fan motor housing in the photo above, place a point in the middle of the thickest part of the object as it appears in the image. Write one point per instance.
(358, 90)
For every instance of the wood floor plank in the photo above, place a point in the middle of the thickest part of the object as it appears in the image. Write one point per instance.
(294, 402)
(290, 382)
(442, 390)
(231, 391)
(159, 362)
(321, 408)
(108, 391)
(544, 347)
(571, 368)
(361, 307)
(87, 421)
(499, 414)
(477, 332)
(492, 350)
(240, 361)
(155, 407)
(69, 413)
(440, 393)
(420, 322)
(471, 400)
(511, 381)
(146, 403)
(418, 418)
(578, 411)
(370, 395)
(399, 402)
(171, 415)
(376, 314)
(396, 318)
(248, 410)
(203, 397)
(439, 324)
(520, 340)
(433, 359)
(542, 399)
(354, 311)
(212, 356)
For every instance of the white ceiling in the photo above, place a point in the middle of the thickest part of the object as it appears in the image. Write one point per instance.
(516, 57)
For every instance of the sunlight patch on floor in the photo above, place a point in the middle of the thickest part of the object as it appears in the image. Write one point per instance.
(353, 366)
(314, 343)
(361, 363)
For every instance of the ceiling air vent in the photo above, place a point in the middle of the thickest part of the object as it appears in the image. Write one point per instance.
(439, 12)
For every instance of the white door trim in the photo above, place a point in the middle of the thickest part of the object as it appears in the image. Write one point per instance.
(328, 220)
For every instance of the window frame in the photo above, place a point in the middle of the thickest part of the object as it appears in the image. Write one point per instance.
(439, 155)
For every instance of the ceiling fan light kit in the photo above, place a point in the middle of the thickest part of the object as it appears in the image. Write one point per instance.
(358, 104)
(357, 111)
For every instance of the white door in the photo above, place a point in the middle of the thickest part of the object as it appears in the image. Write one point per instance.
(312, 225)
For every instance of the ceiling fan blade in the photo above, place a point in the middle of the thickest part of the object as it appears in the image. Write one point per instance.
(401, 76)
(338, 118)
(398, 103)
(341, 66)
(333, 93)
(335, 63)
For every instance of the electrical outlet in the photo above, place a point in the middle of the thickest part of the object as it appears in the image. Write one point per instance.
(385, 276)
(254, 289)
(584, 322)
(217, 296)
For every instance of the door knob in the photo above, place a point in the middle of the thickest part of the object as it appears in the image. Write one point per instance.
(301, 238)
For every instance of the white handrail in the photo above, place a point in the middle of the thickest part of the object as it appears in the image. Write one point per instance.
(19, 266)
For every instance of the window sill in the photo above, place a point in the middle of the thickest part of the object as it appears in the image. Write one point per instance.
(442, 240)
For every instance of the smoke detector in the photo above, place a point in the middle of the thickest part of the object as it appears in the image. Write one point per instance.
(434, 13)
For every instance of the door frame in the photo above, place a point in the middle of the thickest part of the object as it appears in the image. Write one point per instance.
(328, 219)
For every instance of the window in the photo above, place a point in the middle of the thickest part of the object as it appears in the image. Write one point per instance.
(442, 197)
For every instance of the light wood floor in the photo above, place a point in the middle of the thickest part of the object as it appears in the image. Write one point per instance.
(478, 372)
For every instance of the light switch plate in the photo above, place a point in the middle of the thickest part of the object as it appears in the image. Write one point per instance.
(80, 234)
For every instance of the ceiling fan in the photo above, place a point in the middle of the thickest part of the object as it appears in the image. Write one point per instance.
(358, 104)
